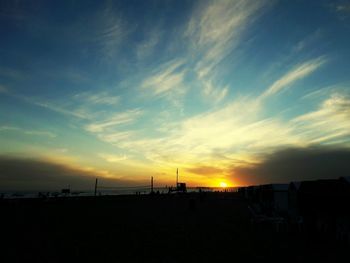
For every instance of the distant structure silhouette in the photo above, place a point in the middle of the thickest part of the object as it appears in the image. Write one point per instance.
(180, 187)
(319, 208)
(95, 192)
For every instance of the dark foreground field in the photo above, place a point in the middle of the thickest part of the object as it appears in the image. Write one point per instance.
(214, 227)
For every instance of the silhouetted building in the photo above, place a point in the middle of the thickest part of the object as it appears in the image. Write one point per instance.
(181, 187)
(274, 197)
(252, 193)
(345, 180)
(65, 191)
(242, 191)
(293, 208)
(325, 208)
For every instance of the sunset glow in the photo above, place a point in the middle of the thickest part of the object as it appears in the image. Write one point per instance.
(235, 90)
(223, 184)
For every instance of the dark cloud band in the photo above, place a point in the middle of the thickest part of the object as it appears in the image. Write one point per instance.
(23, 174)
(297, 164)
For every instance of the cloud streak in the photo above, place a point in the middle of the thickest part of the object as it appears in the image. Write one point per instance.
(165, 79)
(98, 98)
(298, 72)
(190, 87)
(118, 119)
(236, 133)
(112, 158)
(28, 132)
(329, 123)
(215, 30)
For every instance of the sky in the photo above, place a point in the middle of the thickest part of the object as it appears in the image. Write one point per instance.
(241, 92)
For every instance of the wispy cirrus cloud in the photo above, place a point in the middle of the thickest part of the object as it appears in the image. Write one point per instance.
(146, 47)
(40, 133)
(106, 31)
(198, 51)
(345, 7)
(298, 72)
(48, 104)
(57, 108)
(116, 137)
(103, 98)
(216, 95)
(8, 128)
(112, 158)
(168, 77)
(118, 119)
(329, 123)
(196, 138)
(238, 134)
(214, 31)
(110, 35)
(309, 40)
(341, 8)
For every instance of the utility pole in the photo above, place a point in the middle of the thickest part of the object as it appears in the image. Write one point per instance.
(96, 187)
(151, 184)
(177, 176)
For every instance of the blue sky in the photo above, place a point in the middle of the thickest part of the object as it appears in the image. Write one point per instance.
(130, 89)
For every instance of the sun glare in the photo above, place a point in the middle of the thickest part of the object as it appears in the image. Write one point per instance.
(223, 184)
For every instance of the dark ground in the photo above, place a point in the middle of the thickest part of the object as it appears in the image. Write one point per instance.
(214, 227)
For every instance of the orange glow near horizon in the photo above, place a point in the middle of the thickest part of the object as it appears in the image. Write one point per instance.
(223, 184)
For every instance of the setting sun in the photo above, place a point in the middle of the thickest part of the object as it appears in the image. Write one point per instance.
(223, 184)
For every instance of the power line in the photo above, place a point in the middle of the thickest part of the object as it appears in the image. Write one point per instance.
(123, 187)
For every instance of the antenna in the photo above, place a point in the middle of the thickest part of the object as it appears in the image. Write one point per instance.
(151, 184)
(95, 187)
(177, 176)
